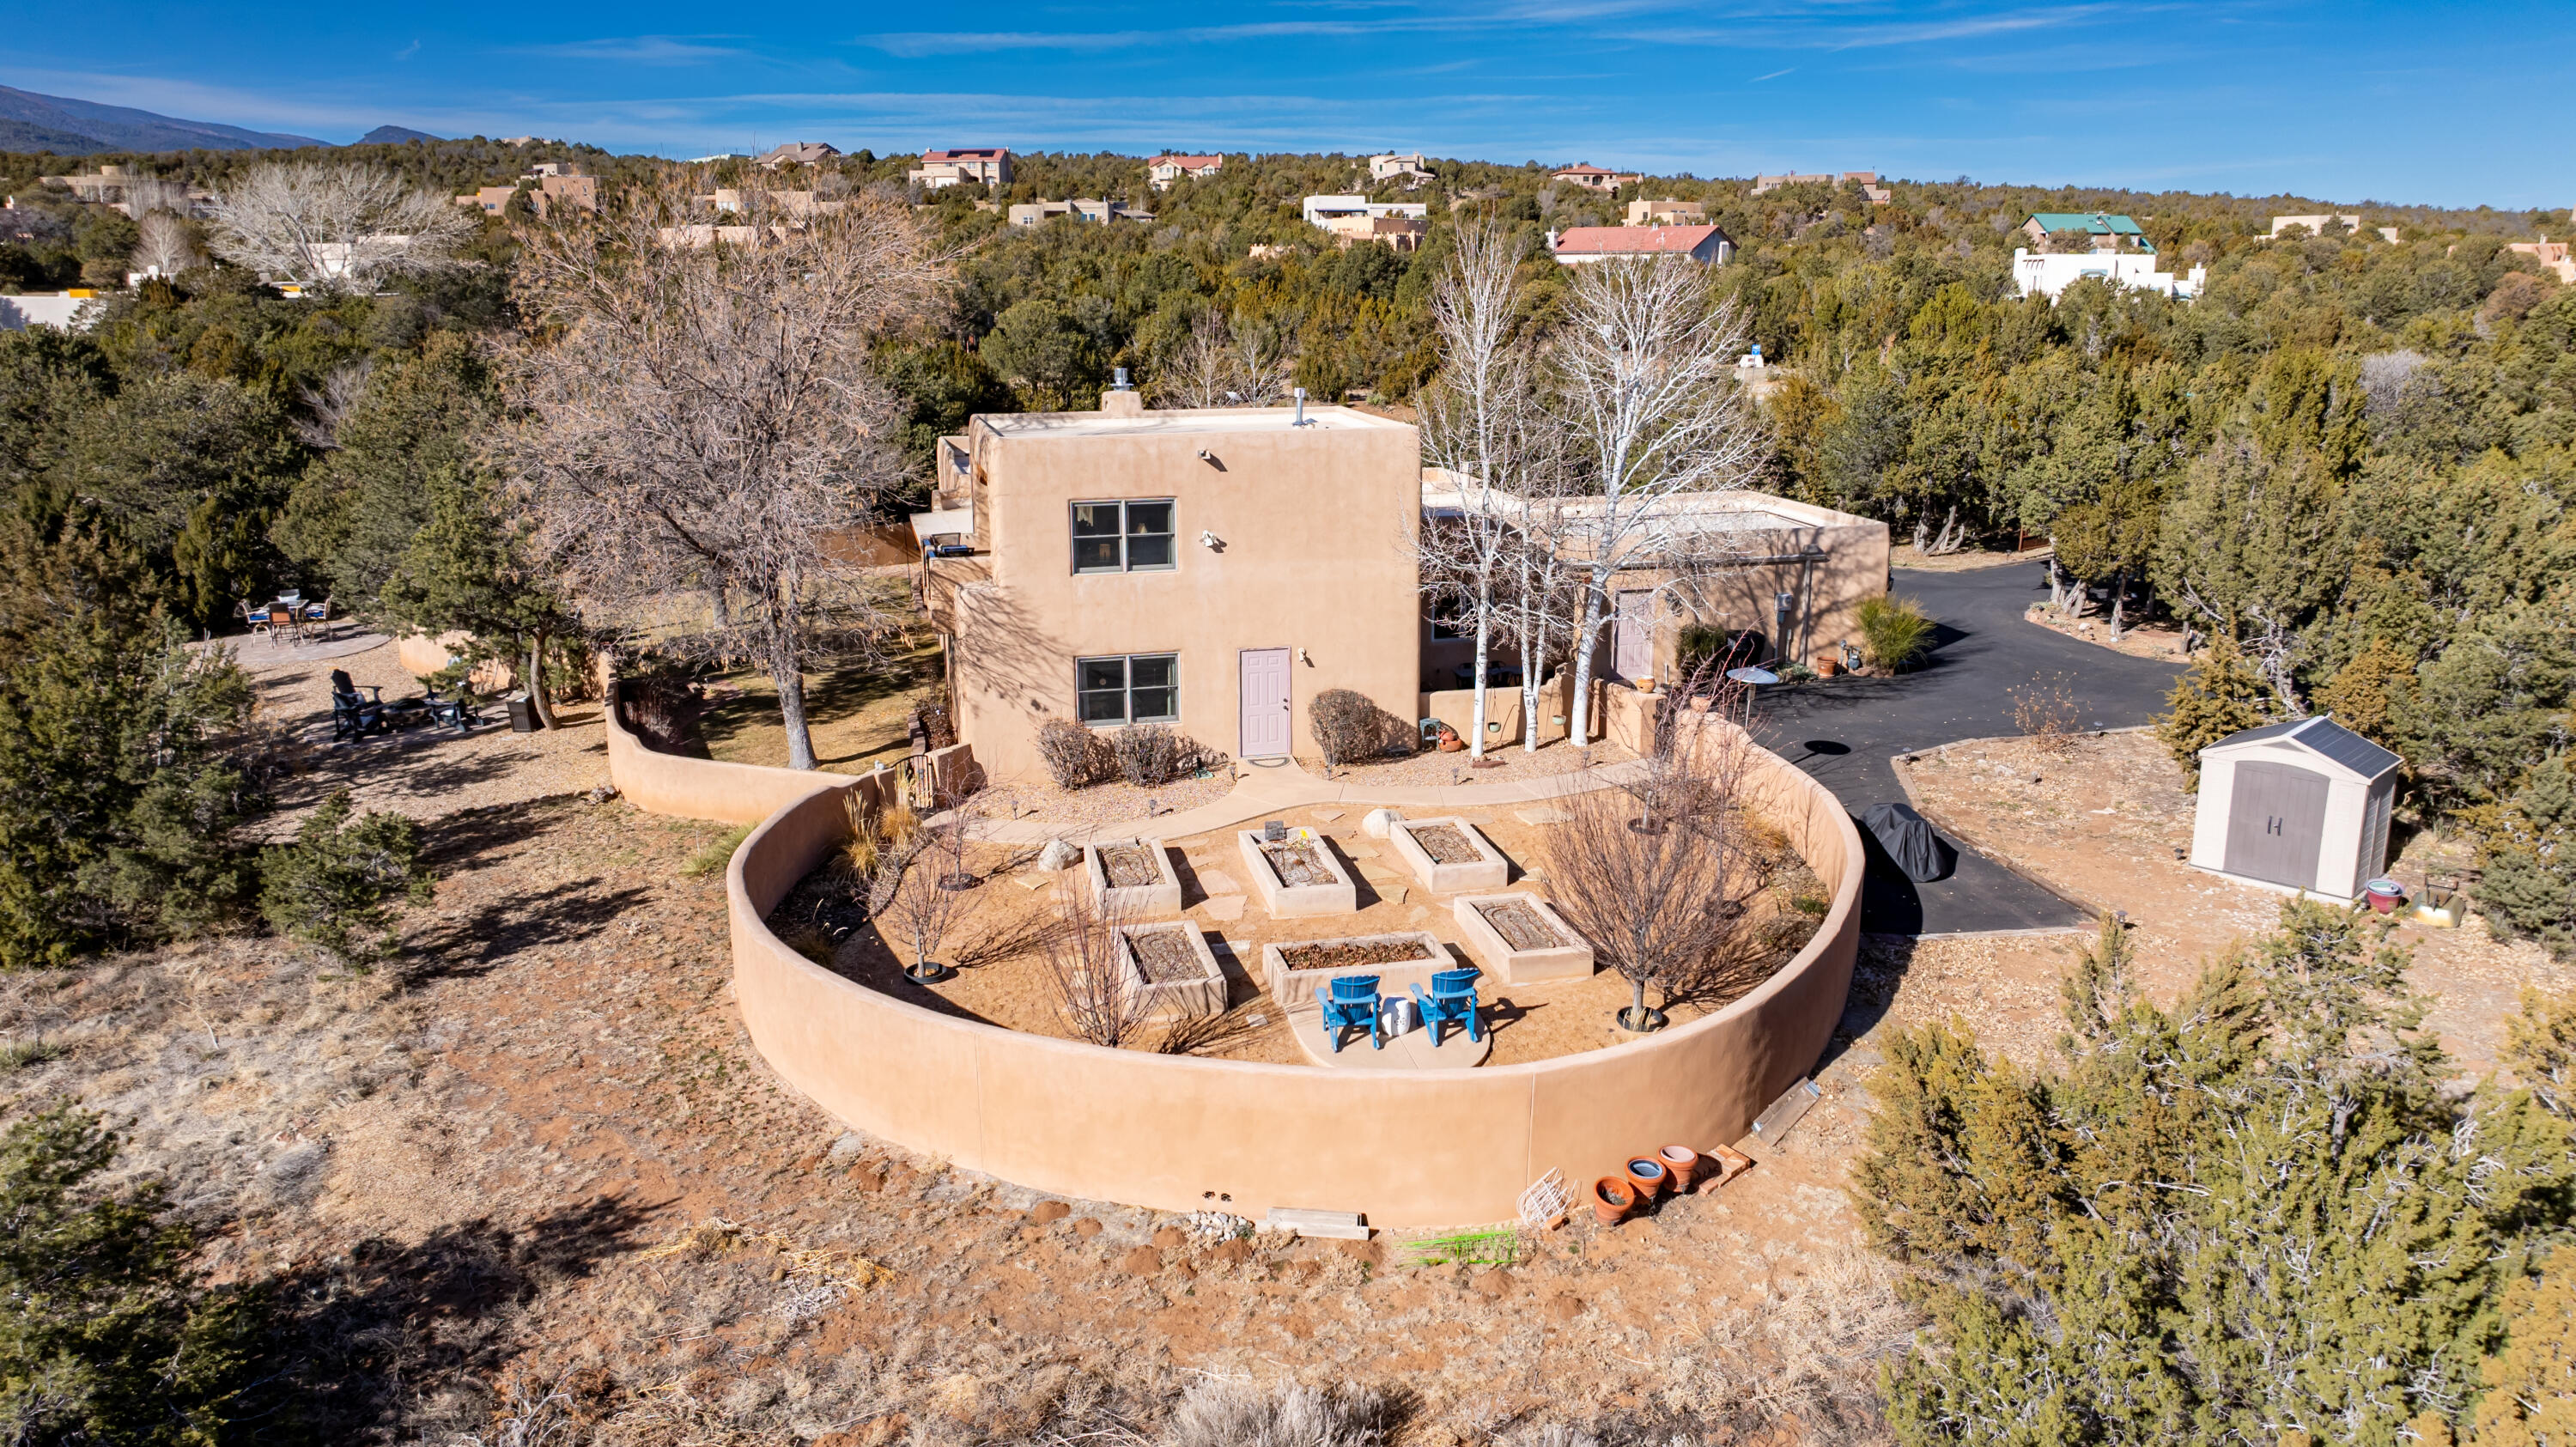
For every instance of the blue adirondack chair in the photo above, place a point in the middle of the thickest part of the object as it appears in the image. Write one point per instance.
(1352, 1002)
(1452, 999)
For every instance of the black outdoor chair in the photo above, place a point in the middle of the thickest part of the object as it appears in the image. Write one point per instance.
(457, 711)
(356, 715)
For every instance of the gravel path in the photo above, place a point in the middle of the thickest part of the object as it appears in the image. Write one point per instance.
(424, 772)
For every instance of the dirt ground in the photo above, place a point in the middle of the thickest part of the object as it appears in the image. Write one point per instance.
(2161, 640)
(857, 715)
(535, 1178)
(1003, 978)
(2104, 824)
(1906, 555)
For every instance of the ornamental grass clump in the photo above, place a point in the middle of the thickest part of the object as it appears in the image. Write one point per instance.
(1895, 632)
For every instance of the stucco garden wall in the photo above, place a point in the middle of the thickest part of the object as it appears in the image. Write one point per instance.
(1407, 1148)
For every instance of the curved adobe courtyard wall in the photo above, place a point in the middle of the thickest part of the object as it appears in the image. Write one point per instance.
(1407, 1148)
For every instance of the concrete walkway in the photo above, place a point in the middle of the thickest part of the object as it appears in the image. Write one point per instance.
(1274, 789)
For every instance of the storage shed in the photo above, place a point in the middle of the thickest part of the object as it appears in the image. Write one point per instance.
(2303, 804)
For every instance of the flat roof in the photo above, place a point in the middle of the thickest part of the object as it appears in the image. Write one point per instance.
(1178, 420)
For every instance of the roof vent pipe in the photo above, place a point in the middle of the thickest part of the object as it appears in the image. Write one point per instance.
(1301, 409)
(1119, 382)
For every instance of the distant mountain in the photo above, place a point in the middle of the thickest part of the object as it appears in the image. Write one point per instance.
(393, 136)
(32, 122)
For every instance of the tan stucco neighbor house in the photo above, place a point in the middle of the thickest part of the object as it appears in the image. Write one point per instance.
(1212, 570)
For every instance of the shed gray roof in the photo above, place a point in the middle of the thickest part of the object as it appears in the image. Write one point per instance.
(2320, 734)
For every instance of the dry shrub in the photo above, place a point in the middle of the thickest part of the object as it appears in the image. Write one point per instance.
(662, 710)
(1097, 997)
(1075, 757)
(1351, 728)
(2046, 710)
(1239, 1412)
(1150, 754)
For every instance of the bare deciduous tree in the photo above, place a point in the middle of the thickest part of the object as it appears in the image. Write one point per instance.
(328, 226)
(164, 245)
(1653, 874)
(327, 407)
(1225, 363)
(1099, 995)
(1483, 422)
(913, 886)
(1647, 397)
(702, 422)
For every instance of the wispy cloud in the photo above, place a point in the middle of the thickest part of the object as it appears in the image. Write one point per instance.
(639, 49)
(1775, 75)
(408, 51)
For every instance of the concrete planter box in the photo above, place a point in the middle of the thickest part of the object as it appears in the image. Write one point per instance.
(1488, 870)
(1195, 997)
(1134, 901)
(1569, 960)
(1291, 987)
(1300, 901)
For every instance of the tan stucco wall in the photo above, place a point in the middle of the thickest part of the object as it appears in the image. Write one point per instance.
(1407, 1148)
(1314, 523)
(660, 783)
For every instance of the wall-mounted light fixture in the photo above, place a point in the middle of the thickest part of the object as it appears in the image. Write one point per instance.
(1211, 542)
(1302, 658)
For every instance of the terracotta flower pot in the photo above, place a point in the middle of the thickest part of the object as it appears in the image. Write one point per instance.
(1648, 1178)
(1612, 1200)
(1683, 1164)
(1827, 665)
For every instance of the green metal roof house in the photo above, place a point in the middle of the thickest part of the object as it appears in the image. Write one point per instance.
(2097, 223)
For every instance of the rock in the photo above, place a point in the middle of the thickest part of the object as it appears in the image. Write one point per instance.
(1171, 1238)
(1058, 855)
(1225, 908)
(1143, 1261)
(1045, 1211)
(1031, 881)
(602, 792)
(849, 1144)
(1391, 893)
(1378, 821)
(1087, 1226)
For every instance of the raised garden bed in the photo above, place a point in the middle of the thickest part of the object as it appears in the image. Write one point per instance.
(1519, 939)
(1182, 979)
(1448, 855)
(1293, 969)
(1133, 878)
(1299, 878)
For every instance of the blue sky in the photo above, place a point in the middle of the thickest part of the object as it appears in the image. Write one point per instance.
(2446, 104)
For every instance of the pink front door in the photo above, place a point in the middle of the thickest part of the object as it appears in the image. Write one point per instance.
(1265, 703)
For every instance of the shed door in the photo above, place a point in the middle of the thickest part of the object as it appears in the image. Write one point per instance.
(1264, 732)
(2276, 823)
(1633, 637)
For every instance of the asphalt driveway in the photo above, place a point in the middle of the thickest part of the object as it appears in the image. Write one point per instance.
(1845, 731)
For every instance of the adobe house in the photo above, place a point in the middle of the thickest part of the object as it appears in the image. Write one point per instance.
(1212, 570)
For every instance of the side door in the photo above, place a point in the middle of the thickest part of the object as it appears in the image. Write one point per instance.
(1264, 730)
(2276, 823)
(1633, 637)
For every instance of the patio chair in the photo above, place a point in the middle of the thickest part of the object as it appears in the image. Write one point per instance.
(354, 715)
(456, 711)
(1352, 1001)
(258, 617)
(1452, 999)
(316, 616)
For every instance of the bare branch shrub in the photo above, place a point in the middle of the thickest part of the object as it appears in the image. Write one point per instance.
(1225, 363)
(1076, 757)
(334, 226)
(164, 243)
(1150, 754)
(1239, 1412)
(703, 423)
(327, 407)
(1808, 1348)
(2046, 711)
(916, 890)
(1098, 995)
(1656, 874)
(1350, 727)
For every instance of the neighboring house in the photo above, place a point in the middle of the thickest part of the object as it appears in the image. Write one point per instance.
(988, 165)
(1399, 224)
(1878, 195)
(557, 184)
(1211, 570)
(1166, 171)
(1667, 212)
(799, 153)
(2105, 231)
(796, 205)
(1584, 245)
(1408, 169)
(1593, 178)
(2316, 226)
(1039, 213)
(2050, 273)
(119, 187)
(61, 310)
(2551, 254)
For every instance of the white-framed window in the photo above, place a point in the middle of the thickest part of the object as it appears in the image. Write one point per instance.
(1131, 688)
(1131, 536)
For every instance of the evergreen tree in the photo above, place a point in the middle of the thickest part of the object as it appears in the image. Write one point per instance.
(467, 568)
(2220, 696)
(2528, 847)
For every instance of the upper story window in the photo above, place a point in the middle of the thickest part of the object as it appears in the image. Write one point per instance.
(1122, 537)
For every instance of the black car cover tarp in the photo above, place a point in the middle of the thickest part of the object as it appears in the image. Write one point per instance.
(1908, 839)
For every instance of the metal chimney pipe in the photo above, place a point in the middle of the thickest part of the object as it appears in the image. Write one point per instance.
(1301, 409)
(1120, 382)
